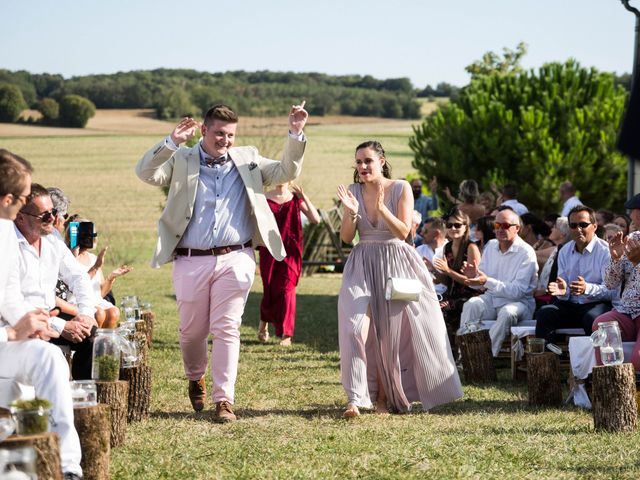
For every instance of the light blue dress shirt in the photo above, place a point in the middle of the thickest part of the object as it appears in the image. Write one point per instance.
(590, 264)
(221, 212)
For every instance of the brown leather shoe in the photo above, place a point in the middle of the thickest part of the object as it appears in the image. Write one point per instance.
(224, 413)
(197, 392)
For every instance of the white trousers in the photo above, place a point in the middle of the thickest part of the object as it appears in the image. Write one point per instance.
(43, 365)
(481, 308)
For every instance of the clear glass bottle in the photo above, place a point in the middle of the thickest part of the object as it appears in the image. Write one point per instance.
(608, 338)
(106, 355)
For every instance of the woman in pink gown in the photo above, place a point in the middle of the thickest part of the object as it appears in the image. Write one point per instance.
(279, 279)
(395, 352)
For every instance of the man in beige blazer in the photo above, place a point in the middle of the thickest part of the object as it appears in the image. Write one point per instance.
(216, 213)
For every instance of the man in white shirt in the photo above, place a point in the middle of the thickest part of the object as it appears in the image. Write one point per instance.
(580, 291)
(508, 273)
(568, 197)
(24, 356)
(509, 198)
(43, 257)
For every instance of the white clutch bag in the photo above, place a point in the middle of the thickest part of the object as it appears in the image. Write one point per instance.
(402, 289)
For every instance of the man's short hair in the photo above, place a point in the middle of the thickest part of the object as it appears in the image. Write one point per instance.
(220, 112)
(509, 190)
(13, 173)
(60, 201)
(37, 190)
(583, 208)
(437, 223)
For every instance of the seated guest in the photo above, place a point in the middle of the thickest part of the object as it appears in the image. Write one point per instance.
(548, 260)
(421, 203)
(535, 232)
(619, 271)
(603, 217)
(624, 222)
(488, 201)
(485, 231)
(434, 236)
(568, 198)
(414, 237)
(509, 198)
(24, 356)
(633, 205)
(61, 206)
(467, 200)
(448, 263)
(611, 230)
(507, 276)
(579, 290)
(107, 314)
(43, 257)
(550, 219)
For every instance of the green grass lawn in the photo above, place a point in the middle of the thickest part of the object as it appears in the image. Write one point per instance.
(289, 401)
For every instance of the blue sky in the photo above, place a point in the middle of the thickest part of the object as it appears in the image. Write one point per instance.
(424, 40)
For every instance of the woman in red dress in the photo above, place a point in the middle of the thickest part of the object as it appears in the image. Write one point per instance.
(279, 279)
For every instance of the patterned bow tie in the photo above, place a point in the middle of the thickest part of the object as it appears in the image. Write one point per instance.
(210, 161)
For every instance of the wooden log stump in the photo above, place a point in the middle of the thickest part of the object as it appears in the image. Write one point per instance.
(139, 379)
(115, 394)
(140, 339)
(476, 357)
(543, 374)
(614, 398)
(93, 425)
(149, 318)
(47, 448)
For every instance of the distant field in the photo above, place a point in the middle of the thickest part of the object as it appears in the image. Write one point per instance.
(94, 166)
(289, 401)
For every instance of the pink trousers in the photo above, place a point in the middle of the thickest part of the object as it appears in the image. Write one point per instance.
(211, 292)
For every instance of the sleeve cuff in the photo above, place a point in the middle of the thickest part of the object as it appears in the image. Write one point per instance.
(300, 138)
(3, 335)
(491, 284)
(57, 324)
(169, 143)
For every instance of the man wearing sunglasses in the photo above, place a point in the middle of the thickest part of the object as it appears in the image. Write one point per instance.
(580, 291)
(43, 258)
(25, 356)
(508, 273)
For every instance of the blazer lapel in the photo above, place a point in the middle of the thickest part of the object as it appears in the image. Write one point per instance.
(193, 172)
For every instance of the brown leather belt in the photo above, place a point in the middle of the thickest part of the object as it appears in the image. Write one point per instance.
(193, 252)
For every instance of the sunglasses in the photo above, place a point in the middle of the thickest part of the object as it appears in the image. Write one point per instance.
(44, 217)
(582, 225)
(455, 225)
(503, 226)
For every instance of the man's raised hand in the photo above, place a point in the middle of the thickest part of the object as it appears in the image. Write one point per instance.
(298, 118)
(186, 128)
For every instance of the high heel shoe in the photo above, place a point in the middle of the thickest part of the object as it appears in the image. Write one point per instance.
(263, 332)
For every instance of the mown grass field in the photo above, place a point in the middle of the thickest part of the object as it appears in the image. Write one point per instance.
(290, 400)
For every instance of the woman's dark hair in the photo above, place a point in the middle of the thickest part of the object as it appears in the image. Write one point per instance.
(485, 225)
(455, 212)
(538, 226)
(376, 147)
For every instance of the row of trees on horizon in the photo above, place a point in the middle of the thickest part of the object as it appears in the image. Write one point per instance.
(177, 92)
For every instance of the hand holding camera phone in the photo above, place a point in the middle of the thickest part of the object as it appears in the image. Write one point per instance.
(81, 234)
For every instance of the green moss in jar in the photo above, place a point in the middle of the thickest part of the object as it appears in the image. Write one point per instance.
(108, 368)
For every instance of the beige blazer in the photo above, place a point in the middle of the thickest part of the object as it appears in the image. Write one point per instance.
(179, 170)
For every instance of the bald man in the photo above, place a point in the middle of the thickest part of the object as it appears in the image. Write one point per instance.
(507, 273)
